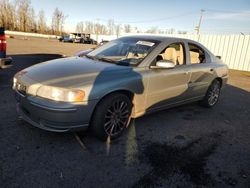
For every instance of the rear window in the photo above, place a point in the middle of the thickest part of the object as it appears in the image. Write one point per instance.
(197, 54)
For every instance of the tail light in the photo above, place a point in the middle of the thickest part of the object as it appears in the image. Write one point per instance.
(2, 43)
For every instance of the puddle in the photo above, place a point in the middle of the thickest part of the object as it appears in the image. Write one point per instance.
(189, 161)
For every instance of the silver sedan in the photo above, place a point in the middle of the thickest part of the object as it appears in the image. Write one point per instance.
(123, 79)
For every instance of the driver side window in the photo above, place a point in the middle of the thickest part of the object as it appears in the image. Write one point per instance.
(173, 52)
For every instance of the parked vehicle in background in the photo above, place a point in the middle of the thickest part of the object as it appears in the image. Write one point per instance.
(123, 79)
(77, 37)
(5, 62)
(65, 38)
(89, 41)
(60, 38)
(83, 38)
(85, 52)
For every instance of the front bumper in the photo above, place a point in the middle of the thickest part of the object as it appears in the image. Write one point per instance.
(54, 116)
(224, 81)
(5, 62)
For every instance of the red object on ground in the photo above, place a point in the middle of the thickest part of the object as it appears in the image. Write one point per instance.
(5, 62)
(2, 43)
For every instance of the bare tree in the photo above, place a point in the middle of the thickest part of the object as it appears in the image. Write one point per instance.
(152, 30)
(89, 27)
(117, 30)
(23, 14)
(160, 31)
(182, 32)
(32, 24)
(127, 28)
(58, 20)
(80, 27)
(111, 27)
(19, 15)
(100, 29)
(7, 15)
(172, 30)
(41, 22)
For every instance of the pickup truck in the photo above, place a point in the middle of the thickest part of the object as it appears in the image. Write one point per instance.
(5, 62)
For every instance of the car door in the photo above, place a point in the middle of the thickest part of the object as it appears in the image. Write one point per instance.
(202, 72)
(168, 86)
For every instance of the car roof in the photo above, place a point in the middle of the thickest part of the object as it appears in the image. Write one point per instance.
(159, 38)
(166, 39)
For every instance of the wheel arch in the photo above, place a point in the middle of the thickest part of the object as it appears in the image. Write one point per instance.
(128, 93)
(219, 79)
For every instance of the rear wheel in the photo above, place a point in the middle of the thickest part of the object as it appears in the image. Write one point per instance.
(212, 95)
(111, 116)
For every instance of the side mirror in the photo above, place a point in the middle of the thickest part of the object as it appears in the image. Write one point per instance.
(165, 64)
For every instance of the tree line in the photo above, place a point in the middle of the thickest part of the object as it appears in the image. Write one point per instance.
(115, 29)
(100, 29)
(20, 16)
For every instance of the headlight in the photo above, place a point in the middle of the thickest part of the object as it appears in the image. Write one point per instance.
(61, 94)
(14, 83)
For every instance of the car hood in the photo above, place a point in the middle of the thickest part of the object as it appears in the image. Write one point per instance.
(70, 72)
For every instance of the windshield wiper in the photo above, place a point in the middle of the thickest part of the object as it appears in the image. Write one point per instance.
(106, 59)
(91, 57)
(100, 58)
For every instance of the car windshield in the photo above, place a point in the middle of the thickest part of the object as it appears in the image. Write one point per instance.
(124, 51)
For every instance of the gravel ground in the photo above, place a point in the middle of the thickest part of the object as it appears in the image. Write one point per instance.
(187, 146)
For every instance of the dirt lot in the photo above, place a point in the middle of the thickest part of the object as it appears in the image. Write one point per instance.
(188, 146)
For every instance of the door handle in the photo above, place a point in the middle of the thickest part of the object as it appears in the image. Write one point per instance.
(211, 70)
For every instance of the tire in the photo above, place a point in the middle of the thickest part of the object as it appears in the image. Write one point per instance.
(111, 117)
(212, 95)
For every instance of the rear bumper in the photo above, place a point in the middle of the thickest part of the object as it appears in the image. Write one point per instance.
(54, 116)
(5, 62)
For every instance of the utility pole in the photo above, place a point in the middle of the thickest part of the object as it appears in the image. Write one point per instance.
(197, 28)
(97, 29)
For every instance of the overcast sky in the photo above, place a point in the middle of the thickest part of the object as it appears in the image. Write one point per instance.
(220, 16)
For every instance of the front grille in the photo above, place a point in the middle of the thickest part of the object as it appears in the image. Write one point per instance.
(21, 88)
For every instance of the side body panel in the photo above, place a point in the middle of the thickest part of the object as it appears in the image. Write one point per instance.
(166, 86)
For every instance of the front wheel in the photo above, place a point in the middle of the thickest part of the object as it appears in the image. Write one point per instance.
(212, 95)
(111, 116)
